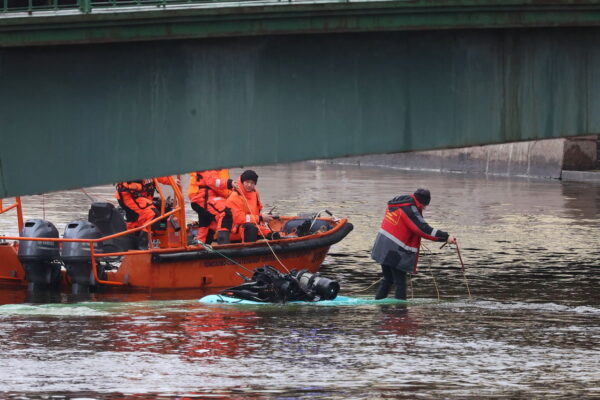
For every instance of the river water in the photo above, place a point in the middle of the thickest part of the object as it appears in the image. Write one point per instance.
(530, 330)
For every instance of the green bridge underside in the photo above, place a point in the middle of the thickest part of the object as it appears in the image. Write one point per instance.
(94, 95)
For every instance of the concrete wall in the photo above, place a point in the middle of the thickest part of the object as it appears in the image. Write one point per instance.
(539, 158)
(581, 153)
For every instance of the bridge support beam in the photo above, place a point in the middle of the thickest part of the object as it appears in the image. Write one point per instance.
(74, 116)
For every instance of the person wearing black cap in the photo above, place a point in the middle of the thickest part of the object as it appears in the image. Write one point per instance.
(398, 240)
(245, 206)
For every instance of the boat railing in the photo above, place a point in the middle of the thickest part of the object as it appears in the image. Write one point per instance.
(93, 242)
(16, 205)
(177, 211)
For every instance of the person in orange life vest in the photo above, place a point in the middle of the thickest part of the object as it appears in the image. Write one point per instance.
(193, 186)
(397, 243)
(246, 207)
(135, 197)
(214, 187)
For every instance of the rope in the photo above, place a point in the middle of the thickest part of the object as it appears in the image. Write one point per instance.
(261, 233)
(88, 196)
(368, 287)
(210, 248)
(95, 199)
(462, 266)
(431, 273)
(434, 282)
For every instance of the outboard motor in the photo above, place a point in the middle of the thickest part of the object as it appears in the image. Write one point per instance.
(76, 255)
(271, 286)
(40, 259)
(321, 287)
(110, 221)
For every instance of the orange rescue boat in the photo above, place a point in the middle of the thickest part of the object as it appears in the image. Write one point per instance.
(101, 253)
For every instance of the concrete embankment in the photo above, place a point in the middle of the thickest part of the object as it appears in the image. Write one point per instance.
(567, 159)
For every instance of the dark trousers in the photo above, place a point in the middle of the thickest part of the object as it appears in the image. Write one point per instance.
(205, 219)
(392, 276)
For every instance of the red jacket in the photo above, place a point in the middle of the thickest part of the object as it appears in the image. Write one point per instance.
(399, 238)
(404, 221)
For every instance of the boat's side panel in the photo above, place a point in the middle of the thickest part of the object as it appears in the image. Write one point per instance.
(11, 270)
(139, 270)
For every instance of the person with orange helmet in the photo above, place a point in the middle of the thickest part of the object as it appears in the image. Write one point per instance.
(213, 189)
(246, 207)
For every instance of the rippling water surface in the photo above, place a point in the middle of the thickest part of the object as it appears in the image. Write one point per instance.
(531, 329)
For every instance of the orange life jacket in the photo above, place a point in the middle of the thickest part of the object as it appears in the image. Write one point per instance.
(136, 196)
(244, 209)
(193, 185)
(211, 184)
(133, 197)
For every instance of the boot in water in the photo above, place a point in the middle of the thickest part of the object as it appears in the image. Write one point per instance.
(383, 290)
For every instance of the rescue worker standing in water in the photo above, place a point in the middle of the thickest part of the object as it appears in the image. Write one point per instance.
(213, 189)
(398, 241)
(246, 207)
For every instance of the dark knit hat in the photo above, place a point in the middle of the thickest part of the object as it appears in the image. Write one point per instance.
(249, 175)
(423, 196)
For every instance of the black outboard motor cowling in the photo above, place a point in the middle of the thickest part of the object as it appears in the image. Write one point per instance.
(40, 259)
(110, 221)
(76, 255)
